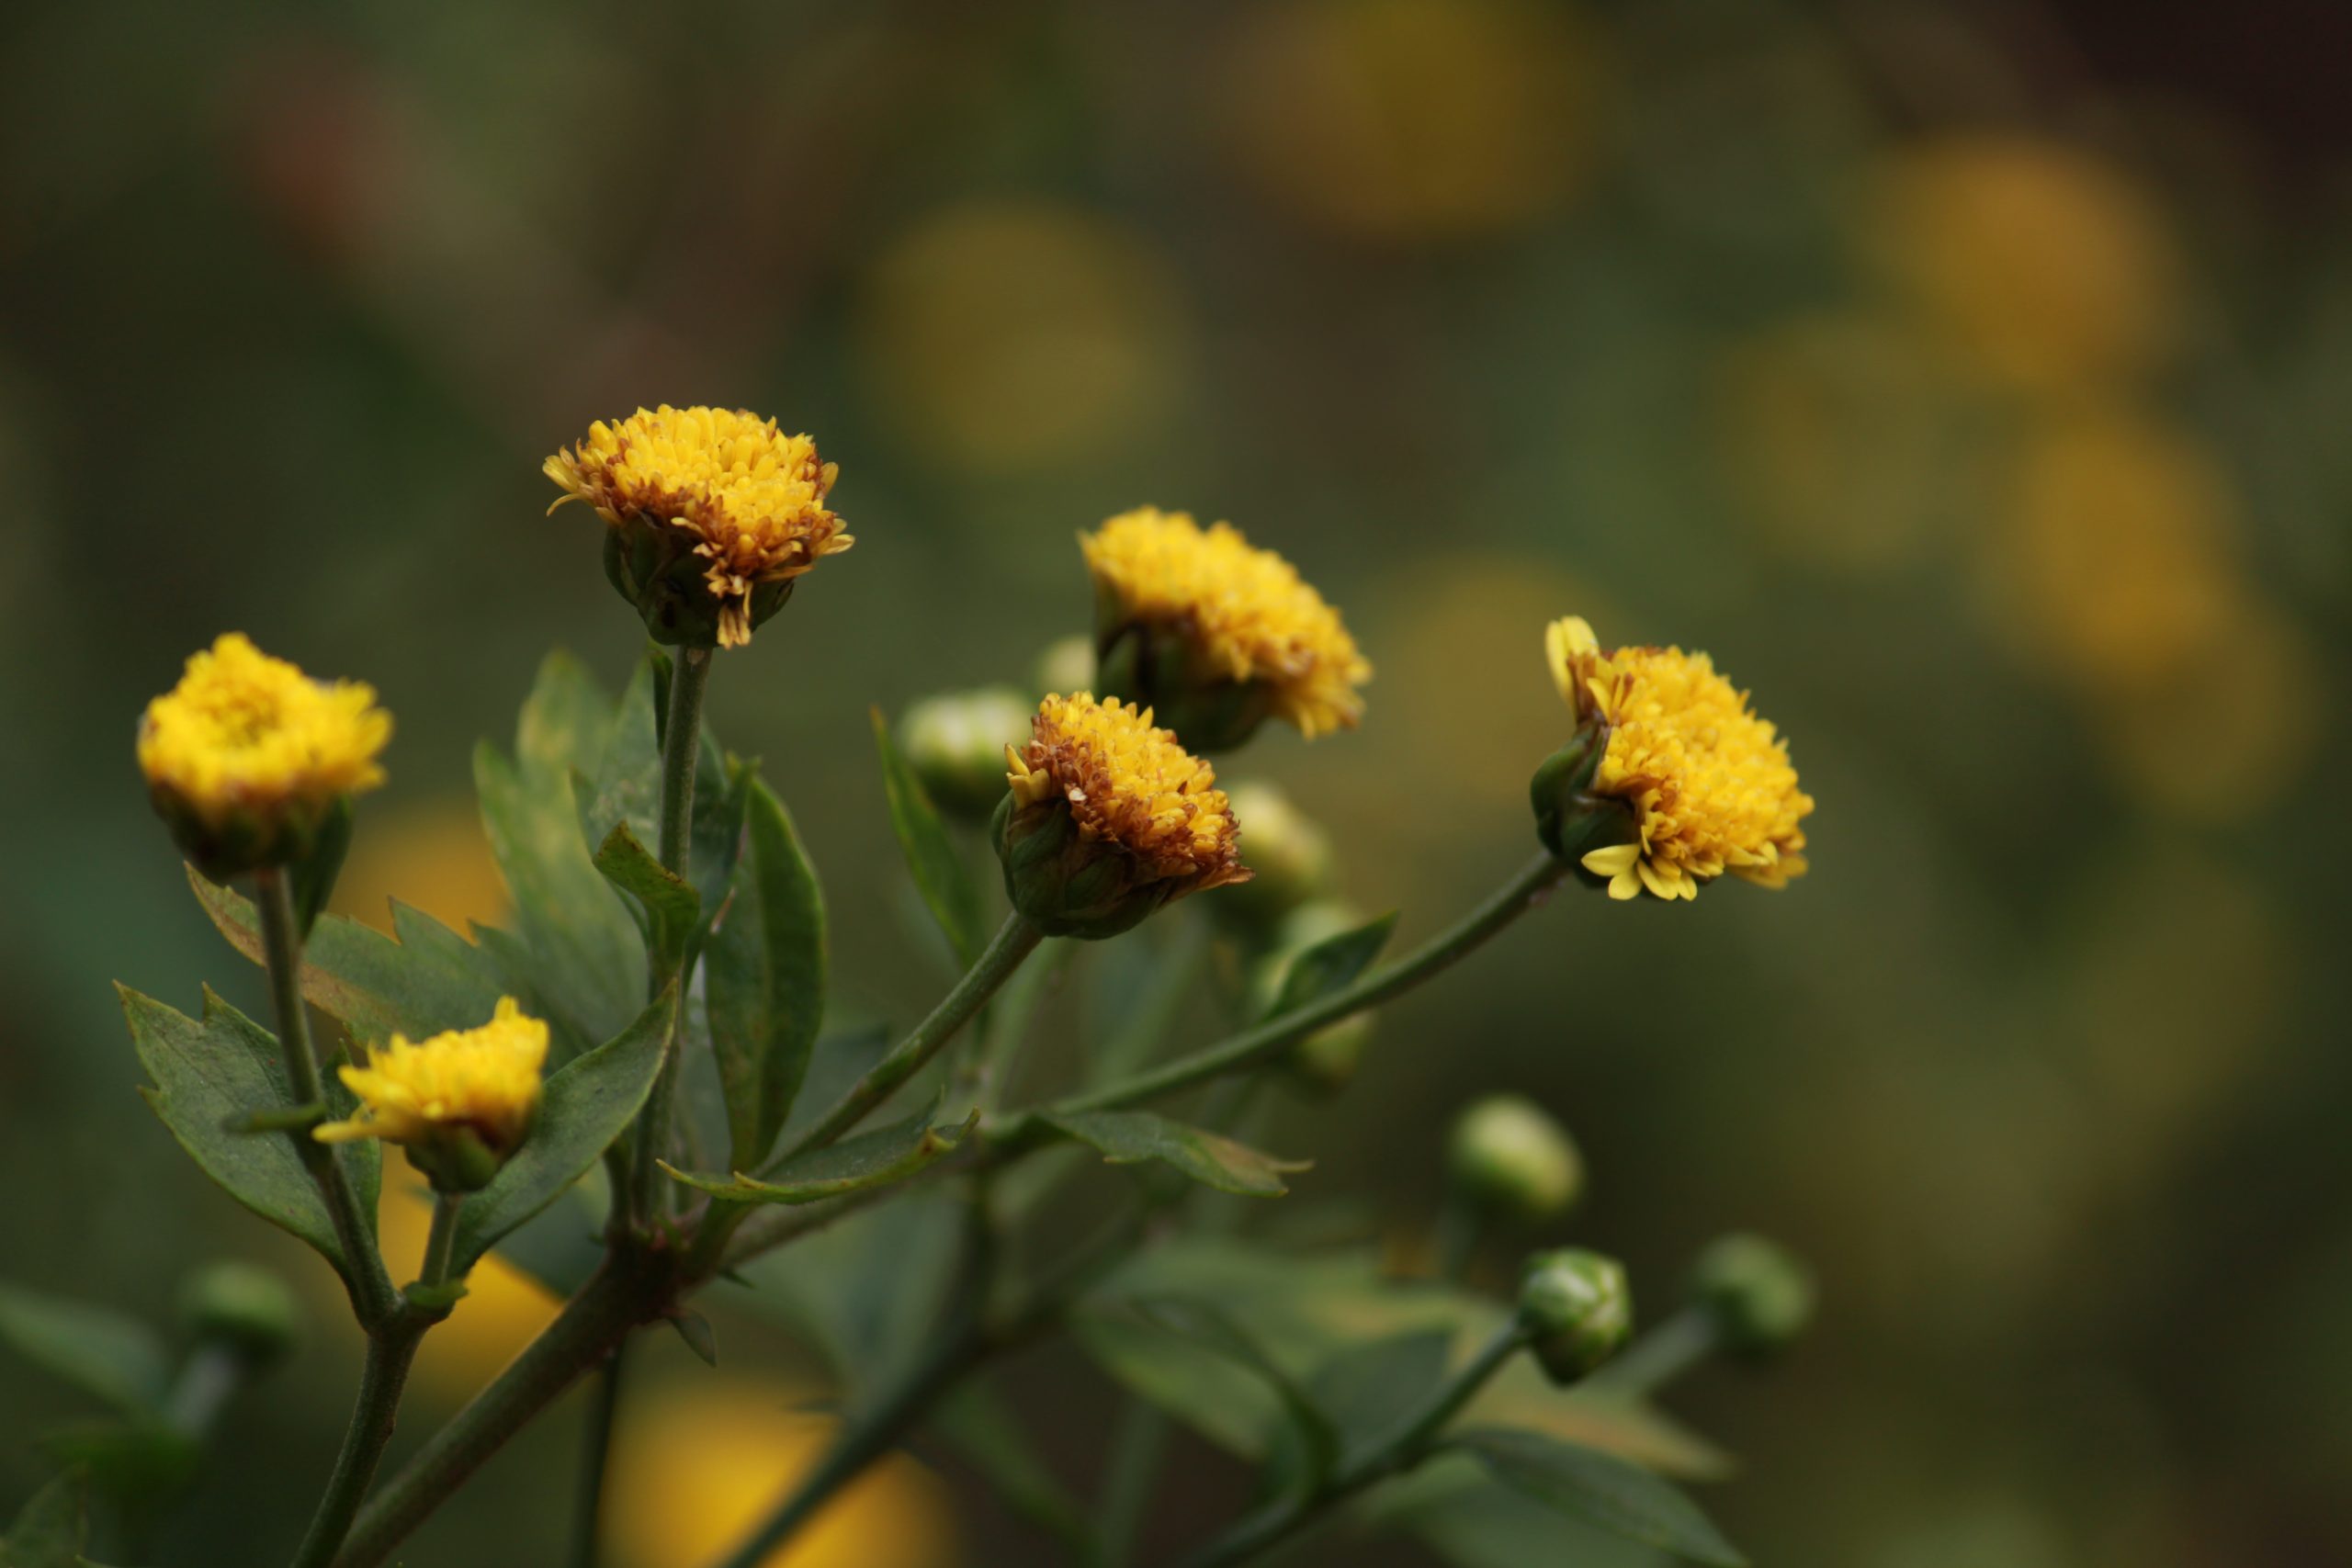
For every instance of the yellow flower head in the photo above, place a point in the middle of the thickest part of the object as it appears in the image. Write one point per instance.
(1708, 782)
(744, 500)
(1240, 621)
(1108, 819)
(452, 1099)
(246, 755)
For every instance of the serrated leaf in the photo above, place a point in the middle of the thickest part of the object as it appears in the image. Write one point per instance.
(208, 1072)
(1601, 1490)
(869, 1159)
(764, 976)
(585, 1105)
(939, 873)
(1327, 966)
(97, 1349)
(667, 909)
(1368, 1391)
(50, 1529)
(1129, 1137)
(430, 980)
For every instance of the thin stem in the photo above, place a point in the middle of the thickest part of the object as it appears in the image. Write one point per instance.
(373, 1417)
(588, 1505)
(1658, 1356)
(680, 747)
(1252, 1046)
(441, 1240)
(1012, 942)
(1130, 1476)
(1411, 1443)
(363, 1266)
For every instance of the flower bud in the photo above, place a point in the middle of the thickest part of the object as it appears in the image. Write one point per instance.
(1068, 665)
(1577, 1310)
(1289, 851)
(1326, 1061)
(246, 1307)
(656, 568)
(1757, 1294)
(1510, 1155)
(460, 1102)
(1106, 819)
(955, 741)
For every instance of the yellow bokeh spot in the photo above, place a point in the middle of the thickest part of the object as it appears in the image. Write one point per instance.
(2039, 265)
(694, 1472)
(1009, 337)
(504, 1308)
(2228, 736)
(1410, 119)
(434, 857)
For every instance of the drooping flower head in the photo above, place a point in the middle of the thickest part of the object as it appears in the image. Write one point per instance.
(461, 1102)
(1707, 785)
(1108, 817)
(712, 515)
(247, 756)
(1215, 635)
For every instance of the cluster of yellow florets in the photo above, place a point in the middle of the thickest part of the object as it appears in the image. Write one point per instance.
(482, 1081)
(1246, 610)
(244, 734)
(753, 497)
(1129, 783)
(1709, 782)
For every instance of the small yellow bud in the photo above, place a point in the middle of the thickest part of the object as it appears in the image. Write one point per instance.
(461, 1102)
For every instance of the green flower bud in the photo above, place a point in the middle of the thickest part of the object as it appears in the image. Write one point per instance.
(1067, 665)
(1569, 821)
(1576, 1307)
(1758, 1294)
(1326, 1061)
(1510, 1155)
(243, 1306)
(1288, 849)
(956, 742)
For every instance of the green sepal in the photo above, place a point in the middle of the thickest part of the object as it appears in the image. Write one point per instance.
(763, 980)
(1599, 1489)
(211, 1070)
(939, 872)
(870, 1159)
(585, 1105)
(700, 1337)
(1129, 1137)
(98, 1350)
(52, 1528)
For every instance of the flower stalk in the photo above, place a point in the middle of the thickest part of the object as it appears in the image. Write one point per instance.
(681, 748)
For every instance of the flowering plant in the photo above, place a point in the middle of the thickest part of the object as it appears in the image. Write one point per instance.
(669, 937)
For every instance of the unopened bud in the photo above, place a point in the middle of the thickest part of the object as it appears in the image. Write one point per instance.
(1067, 665)
(1511, 1155)
(955, 741)
(1758, 1294)
(1288, 849)
(1577, 1309)
(1326, 1061)
(243, 1306)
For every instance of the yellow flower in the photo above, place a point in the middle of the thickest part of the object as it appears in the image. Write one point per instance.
(1707, 784)
(462, 1101)
(1222, 633)
(1108, 819)
(716, 493)
(245, 756)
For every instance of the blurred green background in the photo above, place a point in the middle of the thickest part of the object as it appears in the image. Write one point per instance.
(1971, 380)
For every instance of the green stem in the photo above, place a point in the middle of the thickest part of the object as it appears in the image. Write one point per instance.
(1012, 942)
(1252, 1046)
(1130, 1476)
(680, 747)
(588, 1508)
(441, 1240)
(363, 1268)
(373, 1417)
(1414, 1438)
(1658, 1356)
(632, 1288)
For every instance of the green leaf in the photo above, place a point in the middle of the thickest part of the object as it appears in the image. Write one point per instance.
(939, 873)
(978, 1422)
(1603, 1490)
(1329, 964)
(95, 1348)
(668, 909)
(207, 1073)
(313, 876)
(1469, 1519)
(869, 1159)
(1368, 1390)
(429, 980)
(1312, 1442)
(715, 839)
(567, 721)
(1128, 1137)
(586, 1104)
(627, 787)
(50, 1529)
(764, 979)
